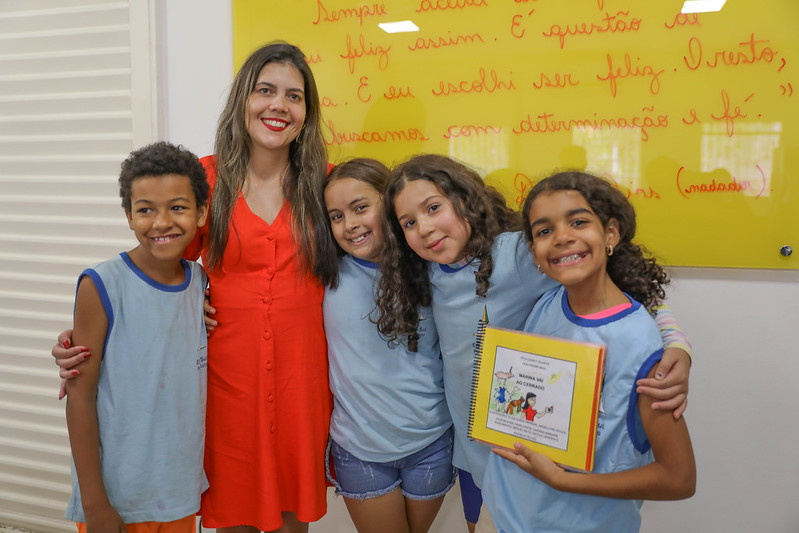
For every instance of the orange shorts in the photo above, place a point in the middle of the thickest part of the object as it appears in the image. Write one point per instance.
(184, 525)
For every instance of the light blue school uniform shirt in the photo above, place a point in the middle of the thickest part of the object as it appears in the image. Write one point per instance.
(150, 394)
(518, 501)
(388, 403)
(516, 285)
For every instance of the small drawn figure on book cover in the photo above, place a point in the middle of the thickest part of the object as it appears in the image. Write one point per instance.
(530, 413)
(502, 395)
(515, 406)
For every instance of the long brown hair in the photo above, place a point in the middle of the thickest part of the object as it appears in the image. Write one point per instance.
(405, 283)
(307, 163)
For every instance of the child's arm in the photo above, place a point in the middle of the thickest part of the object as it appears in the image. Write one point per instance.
(672, 476)
(68, 357)
(91, 325)
(669, 386)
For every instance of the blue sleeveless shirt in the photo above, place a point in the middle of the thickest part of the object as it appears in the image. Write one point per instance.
(150, 394)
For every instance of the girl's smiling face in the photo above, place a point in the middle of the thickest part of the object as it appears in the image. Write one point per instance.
(432, 226)
(569, 241)
(354, 208)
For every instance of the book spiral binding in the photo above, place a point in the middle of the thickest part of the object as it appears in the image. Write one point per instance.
(478, 353)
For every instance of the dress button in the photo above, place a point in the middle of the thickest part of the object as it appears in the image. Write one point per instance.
(267, 335)
(269, 365)
(273, 428)
(266, 300)
(271, 398)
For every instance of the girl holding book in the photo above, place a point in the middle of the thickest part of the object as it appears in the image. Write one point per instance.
(580, 230)
(390, 431)
(453, 243)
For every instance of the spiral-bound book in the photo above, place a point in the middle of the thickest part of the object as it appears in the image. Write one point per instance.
(541, 391)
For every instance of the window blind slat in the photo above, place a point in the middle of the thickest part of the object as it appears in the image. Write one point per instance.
(76, 89)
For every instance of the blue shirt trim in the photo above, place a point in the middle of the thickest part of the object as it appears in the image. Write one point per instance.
(595, 322)
(160, 286)
(102, 292)
(449, 269)
(364, 262)
(640, 441)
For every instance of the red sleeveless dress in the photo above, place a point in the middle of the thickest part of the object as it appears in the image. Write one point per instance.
(269, 404)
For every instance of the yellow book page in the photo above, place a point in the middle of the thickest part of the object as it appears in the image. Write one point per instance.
(538, 390)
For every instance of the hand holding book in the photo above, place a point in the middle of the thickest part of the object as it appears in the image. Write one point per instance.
(534, 463)
(513, 371)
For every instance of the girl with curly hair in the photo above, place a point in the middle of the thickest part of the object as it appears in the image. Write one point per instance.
(580, 231)
(452, 242)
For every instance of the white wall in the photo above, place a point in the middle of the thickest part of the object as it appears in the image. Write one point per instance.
(195, 70)
(740, 415)
(741, 322)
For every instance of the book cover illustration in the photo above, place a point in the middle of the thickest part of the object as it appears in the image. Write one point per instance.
(538, 390)
(523, 400)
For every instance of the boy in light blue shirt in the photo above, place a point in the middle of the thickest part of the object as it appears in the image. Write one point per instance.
(136, 413)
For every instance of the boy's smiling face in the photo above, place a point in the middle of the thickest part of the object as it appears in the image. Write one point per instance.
(164, 216)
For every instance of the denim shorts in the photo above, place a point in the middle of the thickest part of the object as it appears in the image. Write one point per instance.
(423, 475)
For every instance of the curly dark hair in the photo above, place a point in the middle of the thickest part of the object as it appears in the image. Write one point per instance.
(405, 284)
(370, 171)
(631, 267)
(160, 159)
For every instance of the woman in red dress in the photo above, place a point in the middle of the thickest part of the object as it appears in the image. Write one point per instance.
(267, 423)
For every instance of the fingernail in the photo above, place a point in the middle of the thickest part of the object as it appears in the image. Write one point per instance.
(75, 372)
(67, 344)
(659, 375)
(87, 355)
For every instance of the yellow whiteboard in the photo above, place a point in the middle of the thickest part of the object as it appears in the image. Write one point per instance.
(695, 117)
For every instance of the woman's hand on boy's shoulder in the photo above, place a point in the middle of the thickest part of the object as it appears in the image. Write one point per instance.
(210, 323)
(67, 357)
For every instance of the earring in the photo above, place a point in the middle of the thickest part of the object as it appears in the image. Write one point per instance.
(540, 270)
(610, 250)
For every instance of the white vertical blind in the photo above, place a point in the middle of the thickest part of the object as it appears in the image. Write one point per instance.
(76, 95)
